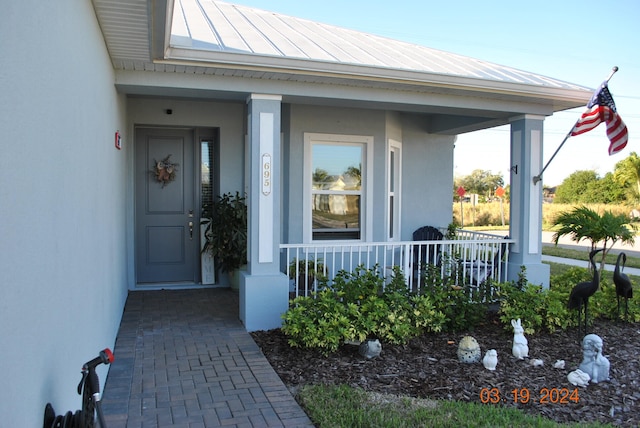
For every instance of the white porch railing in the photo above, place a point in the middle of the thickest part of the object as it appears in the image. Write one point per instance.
(473, 260)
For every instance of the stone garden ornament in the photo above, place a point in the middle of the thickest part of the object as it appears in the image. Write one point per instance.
(370, 348)
(578, 378)
(469, 350)
(490, 360)
(520, 347)
(594, 363)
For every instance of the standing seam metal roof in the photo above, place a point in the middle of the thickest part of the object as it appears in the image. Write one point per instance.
(220, 27)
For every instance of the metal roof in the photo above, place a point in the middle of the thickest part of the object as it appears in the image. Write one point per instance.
(217, 50)
(220, 27)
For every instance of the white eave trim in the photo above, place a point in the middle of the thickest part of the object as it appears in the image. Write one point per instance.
(301, 67)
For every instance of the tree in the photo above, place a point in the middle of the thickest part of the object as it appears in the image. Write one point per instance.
(584, 223)
(574, 186)
(320, 178)
(603, 191)
(481, 182)
(627, 174)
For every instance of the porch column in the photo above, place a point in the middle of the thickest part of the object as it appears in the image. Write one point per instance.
(526, 200)
(264, 290)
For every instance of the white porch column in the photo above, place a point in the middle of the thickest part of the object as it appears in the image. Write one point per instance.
(264, 290)
(526, 200)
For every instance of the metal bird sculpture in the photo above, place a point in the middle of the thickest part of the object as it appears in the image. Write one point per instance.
(580, 294)
(623, 285)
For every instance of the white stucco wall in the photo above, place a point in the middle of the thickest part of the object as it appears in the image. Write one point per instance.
(62, 205)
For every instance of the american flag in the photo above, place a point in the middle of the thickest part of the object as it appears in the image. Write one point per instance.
(602, 108)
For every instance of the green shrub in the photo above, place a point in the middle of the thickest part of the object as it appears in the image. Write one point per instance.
(527, 303)
(547, 309)
(320, 321)
(359, 306)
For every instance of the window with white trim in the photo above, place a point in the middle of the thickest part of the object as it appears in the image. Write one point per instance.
(335, 186)
(394, 160)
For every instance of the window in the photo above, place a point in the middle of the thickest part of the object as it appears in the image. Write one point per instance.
(335, 180)
(393, 190)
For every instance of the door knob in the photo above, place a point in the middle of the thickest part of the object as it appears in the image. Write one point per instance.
(190, 230)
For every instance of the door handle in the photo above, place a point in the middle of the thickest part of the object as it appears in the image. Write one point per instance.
(190, 230)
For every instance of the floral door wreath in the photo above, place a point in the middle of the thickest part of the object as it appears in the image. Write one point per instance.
(165, 170)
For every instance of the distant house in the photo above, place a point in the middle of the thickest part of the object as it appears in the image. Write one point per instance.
(94, 94)
(549, 194)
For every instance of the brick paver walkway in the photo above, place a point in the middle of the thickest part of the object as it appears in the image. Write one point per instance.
(183, 359)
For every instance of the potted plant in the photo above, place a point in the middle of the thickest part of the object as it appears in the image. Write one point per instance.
(305, 273)
(226, 232)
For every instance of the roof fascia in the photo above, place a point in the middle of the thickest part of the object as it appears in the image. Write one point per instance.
(302, 67)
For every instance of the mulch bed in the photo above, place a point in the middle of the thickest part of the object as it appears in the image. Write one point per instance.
(428, 367)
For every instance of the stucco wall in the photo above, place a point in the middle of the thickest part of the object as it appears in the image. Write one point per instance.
(427, 177)
(62, 205)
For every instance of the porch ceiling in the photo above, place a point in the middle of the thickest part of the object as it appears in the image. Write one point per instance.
(212, 49)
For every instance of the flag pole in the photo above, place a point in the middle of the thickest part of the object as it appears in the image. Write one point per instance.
(539, 176)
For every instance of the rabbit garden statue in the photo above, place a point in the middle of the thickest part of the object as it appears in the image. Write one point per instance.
(578, 378)
(520, 348)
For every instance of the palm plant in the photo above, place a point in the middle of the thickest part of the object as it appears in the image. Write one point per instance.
(584, 223)
(627, 174)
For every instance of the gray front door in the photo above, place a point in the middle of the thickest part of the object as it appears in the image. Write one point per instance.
(166, 230)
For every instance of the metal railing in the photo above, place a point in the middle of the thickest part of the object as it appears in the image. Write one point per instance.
(472, 260)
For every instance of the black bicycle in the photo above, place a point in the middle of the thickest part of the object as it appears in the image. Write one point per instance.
(89, 388)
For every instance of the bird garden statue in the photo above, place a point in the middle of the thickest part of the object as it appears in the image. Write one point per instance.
(594, 363)
(623, 285)
(490, 360)
(520, 348)
(469, 350)
(579, 297)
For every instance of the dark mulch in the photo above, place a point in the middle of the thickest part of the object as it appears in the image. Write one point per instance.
(427, 367)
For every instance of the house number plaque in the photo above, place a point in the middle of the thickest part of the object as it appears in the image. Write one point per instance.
(266, 174)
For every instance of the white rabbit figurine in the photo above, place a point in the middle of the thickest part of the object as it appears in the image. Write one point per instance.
(520, 347)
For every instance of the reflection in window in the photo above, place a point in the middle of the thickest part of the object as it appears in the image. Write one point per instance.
(336, 193)
(206, 171)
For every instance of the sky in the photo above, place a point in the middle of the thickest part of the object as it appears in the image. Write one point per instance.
(575, 41)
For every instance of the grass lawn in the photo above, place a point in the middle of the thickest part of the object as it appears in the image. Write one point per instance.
(344, 406)
(551, 250)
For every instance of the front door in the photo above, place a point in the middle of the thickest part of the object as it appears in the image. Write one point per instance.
(167, 237)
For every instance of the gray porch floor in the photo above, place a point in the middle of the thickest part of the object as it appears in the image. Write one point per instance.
(183, 359)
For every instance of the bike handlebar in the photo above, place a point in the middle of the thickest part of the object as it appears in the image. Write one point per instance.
(106, 357)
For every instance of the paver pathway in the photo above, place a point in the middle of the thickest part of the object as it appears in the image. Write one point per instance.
(183, 359)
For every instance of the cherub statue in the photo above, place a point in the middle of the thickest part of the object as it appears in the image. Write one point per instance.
(594, 363)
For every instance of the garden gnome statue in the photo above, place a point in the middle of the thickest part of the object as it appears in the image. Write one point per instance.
(593, 362)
